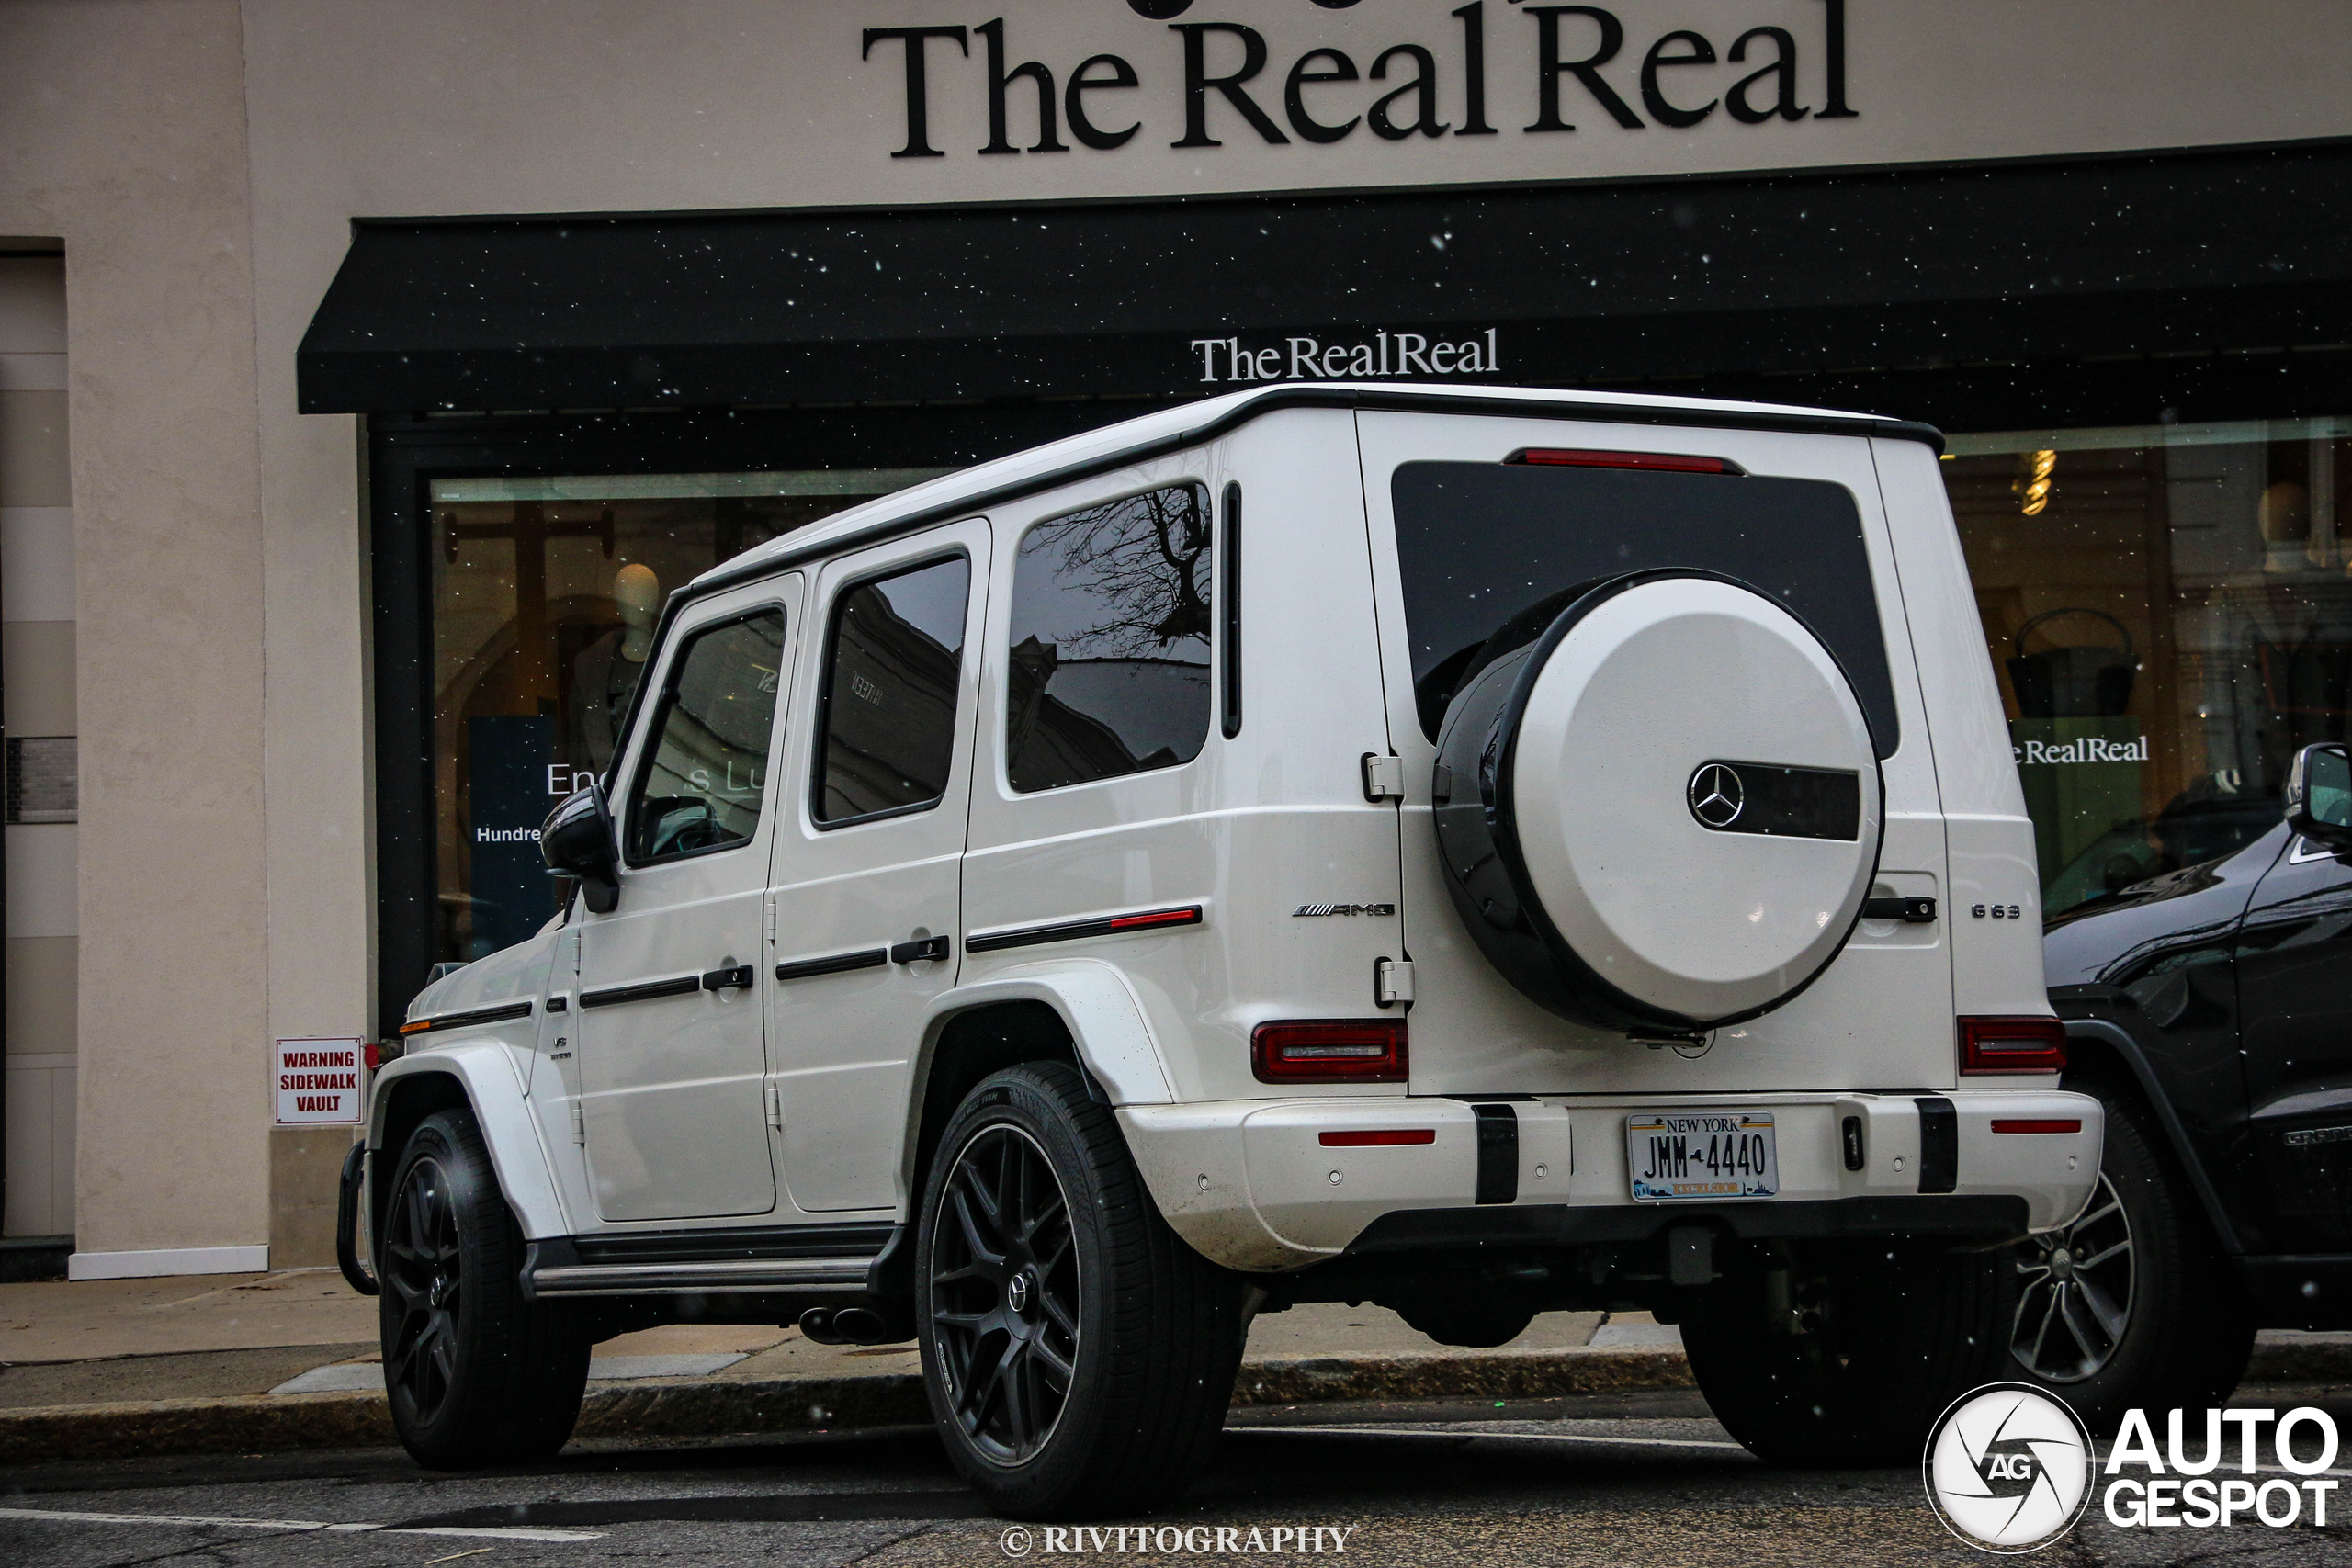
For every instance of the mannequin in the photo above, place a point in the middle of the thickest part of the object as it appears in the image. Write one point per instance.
(607, 670)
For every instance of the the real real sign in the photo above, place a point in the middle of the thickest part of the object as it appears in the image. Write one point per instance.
(318, 1083)
(1219, 77)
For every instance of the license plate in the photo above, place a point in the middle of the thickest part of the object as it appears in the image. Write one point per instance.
(1702, 1154)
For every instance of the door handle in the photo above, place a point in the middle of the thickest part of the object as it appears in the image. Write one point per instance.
(735, 979)
(917, 951)
(1910, 911)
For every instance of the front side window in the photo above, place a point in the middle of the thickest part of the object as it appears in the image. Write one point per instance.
(701, 785)
(1110, 641)
(893, 669)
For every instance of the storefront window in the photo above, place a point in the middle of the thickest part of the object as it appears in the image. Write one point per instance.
(545, 594)
(2170, 617)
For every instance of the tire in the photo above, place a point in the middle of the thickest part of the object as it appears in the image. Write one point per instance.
(1077, 1355)
(1842, 1355)
(2132, 1303)
(477, 1374)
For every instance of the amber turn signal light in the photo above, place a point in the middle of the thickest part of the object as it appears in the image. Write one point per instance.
(2012, 1045)
(1330, 1051)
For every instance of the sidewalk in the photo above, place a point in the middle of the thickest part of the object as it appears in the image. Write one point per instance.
(248, 1363)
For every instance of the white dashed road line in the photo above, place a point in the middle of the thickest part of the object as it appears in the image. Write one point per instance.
(1509, 1436)
(198, 1521)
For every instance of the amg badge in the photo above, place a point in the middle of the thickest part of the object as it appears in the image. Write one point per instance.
(1343, 910)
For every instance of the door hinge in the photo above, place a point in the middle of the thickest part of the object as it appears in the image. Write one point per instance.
(776, 1106)
(575, 953)
(578, 1123)
(1392, 982)
(771, 918)
(1383, 777)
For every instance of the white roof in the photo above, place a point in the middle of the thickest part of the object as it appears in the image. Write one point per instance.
(1000, 473)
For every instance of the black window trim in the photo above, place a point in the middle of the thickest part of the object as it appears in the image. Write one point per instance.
(1229, 609)
(682, 642)
(819, 733)
(1004, 726)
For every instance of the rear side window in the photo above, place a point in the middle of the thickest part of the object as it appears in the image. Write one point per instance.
(894, 663)
(702, 784)
(1110, 658)
(1486, 546)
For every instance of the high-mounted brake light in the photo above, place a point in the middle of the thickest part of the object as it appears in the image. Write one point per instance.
(1330, 1051)
(1667, 462)
(1377, 1137)
(2012, 1045)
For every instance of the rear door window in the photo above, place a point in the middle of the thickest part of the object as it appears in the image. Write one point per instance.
(1110, 656)
(893, 667)
(1494, 547)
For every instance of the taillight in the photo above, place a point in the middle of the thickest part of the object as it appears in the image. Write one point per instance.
(1667, 462)
(1369, 1051)
(2012, 1045)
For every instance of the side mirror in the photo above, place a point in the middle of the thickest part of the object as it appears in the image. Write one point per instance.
(577, 841)
(2319, 796)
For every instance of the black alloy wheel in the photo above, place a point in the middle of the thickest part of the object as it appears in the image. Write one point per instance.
(476, 1372)
(2075, 1287)
(422, 1281)
(1004, 1294)
(1077, 1355)
(2133, 1305)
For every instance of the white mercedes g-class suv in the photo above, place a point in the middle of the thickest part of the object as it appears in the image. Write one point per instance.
(1474, 851)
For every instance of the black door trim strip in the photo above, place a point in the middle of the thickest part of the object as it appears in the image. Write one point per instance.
(1071, 930)
(643, 991)
(832, 963)
(503, 1011)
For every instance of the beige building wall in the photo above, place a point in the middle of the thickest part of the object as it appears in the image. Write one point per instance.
(36, 677)
(202, 161)
(122, 132)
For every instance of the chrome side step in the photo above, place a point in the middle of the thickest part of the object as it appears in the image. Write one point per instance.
(736, 1274)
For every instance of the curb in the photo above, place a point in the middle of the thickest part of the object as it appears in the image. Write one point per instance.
(714, 1406)
(1478, 1374)
(2307, 1361)
(262, 1423)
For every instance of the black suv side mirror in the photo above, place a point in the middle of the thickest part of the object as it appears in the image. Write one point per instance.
(2319, 796)
(577, 841)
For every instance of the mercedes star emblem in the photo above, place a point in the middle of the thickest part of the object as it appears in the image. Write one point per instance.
(1717, 794)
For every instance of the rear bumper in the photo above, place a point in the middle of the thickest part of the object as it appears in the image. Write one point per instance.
(1252, 1185)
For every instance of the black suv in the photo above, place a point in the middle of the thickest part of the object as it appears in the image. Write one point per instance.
(2210, 1008)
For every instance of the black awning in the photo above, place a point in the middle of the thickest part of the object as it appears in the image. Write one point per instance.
(1582, 284)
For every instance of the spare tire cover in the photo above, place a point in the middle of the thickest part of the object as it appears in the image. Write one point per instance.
(1663, 812)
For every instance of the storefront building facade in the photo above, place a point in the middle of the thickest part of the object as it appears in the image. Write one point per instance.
(393, 362)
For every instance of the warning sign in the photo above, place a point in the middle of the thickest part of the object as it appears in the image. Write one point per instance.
(318, 1083)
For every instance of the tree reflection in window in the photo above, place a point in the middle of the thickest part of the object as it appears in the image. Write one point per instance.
(892, 676)
(1110, 641)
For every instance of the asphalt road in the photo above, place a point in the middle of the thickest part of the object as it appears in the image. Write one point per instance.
(1648, 1479)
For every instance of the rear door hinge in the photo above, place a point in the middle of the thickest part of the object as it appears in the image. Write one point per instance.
(1383, 777)
(775, 1105)
(1392, 982)
(578, 1123)
(770, 916)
